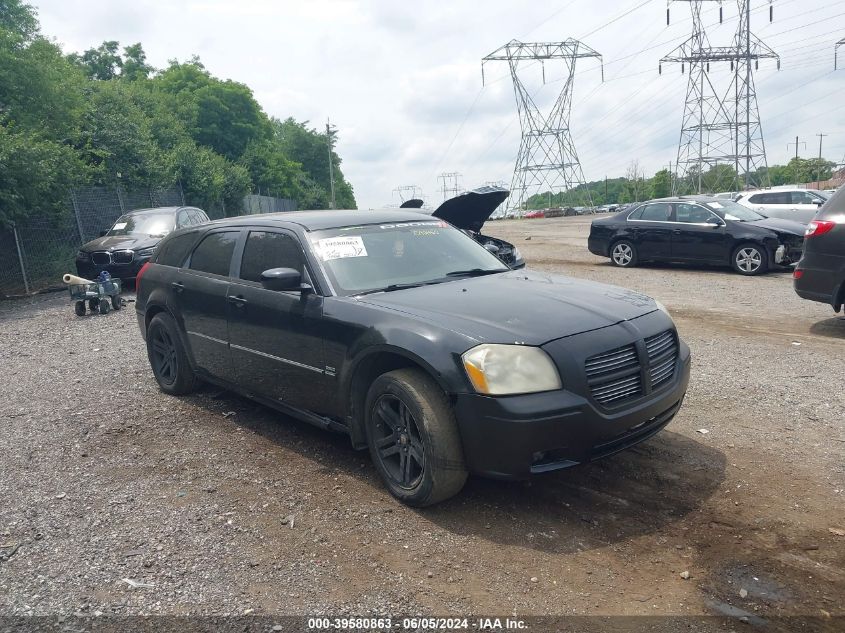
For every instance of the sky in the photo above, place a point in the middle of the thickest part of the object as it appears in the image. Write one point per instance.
(402, 81)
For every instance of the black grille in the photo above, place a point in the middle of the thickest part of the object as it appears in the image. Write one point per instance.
(101, 258)
(122, 257)
(614, 376)
(662, 353)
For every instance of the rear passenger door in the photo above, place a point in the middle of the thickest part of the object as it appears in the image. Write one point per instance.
(652, 230)
(276, 336)
(200, 294)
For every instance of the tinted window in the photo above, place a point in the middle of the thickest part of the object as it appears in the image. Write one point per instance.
(264, 251)
(174, 252)
(805, 197)
(657, 212)
(214, 254)
(774, 197)
(692, 214)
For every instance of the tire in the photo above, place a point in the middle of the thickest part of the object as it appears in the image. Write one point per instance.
(115, 302)
(750, 259)
(413, 438)
(79, 308)
(104, 306)
(623, 254)
(167, 357)
(93, 304)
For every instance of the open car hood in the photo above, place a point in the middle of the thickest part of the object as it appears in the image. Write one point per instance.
(470, 210)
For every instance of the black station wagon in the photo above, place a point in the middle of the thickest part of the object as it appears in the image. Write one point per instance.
(403, 332)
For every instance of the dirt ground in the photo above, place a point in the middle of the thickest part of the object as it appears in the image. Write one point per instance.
(221, 506)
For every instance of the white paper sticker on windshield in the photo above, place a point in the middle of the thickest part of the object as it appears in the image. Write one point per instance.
(341, 247)
(118, 226)
(715, 205)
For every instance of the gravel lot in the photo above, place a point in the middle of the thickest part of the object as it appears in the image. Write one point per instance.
(221, 506)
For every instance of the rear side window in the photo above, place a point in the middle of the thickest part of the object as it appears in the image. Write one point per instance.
(174, 251)
(214, 253)
(636, 214)
(834, 206)
(198, 216)
(265, 250)
(774, 197)
(805, 197)
(659, 212)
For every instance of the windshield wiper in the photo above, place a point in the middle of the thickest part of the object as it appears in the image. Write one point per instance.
(393, 287)
(475, 272)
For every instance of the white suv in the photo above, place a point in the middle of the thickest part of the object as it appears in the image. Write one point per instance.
(795, 204)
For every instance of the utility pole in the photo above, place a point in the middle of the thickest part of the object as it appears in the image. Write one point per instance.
(330, 143)
(547, 156)
(819, 168)
(795, 171)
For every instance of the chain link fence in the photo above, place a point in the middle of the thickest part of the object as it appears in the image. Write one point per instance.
(35, 254)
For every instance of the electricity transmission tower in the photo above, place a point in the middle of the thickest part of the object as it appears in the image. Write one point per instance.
(408, 192)
(720, 126)
(547, 160)
(836, 52)
(453, 188)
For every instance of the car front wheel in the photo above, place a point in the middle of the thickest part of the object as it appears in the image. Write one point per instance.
(413, 438)
(750, 259)
(623, 254)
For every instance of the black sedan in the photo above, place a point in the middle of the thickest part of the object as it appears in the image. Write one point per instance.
(400, 331)
(697, 229)
(131, 240)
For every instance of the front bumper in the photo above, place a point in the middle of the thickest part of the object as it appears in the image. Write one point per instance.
(516, 436)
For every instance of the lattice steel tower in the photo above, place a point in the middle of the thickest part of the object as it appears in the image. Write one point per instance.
(547, 160)
(720, 126)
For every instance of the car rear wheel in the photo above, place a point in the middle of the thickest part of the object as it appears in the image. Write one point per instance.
(413, 438)
(750, 259)
(167, 356)
(623, 254)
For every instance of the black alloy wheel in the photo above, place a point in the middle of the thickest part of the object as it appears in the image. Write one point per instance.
(163, 356)
(398, 442)
(168, 358)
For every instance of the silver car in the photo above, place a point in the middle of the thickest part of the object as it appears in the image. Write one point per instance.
(799, 205)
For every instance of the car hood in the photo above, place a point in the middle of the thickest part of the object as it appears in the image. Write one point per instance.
(470, 210)
(780, 226)
(518, 306)
(121, 242)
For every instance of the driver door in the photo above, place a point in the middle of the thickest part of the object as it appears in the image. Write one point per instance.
(276, 336)
(699, 234)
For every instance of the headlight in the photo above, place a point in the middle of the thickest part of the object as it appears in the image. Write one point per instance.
(500, 370)
(83, 255)
(517, 256)
(145, 252)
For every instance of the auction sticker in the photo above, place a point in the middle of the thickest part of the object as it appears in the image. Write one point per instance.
(342, 247)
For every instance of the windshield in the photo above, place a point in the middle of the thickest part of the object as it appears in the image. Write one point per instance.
(372, 258)
(143, 223)
(733, 211)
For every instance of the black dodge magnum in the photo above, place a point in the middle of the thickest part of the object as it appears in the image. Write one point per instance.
(404, 333)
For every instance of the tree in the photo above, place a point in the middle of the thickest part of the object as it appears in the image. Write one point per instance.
(101, 63)
(135, 63)
(18, 18)
(661, 184)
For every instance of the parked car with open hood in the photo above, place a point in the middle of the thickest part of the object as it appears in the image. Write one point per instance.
(697, 229)
(469, 211)
(401, 331)
(130, 242)
(820, 275)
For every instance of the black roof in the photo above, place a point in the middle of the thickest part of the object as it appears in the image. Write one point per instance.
(318, 220)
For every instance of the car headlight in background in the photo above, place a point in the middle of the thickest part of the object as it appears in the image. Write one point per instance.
(82, 255)
(500, 370)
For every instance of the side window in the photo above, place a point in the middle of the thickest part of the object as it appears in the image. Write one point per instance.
(758, 198)
(266, 250)
(198, 217)
(636, 214)
(174, 251)
(804, 197)
(657, 212)
(214, 253)
(773, 197)
(183, 219)
(692, 213)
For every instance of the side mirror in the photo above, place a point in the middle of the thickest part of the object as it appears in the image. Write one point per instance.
(715, 222)
(282, 279)
(103, 233)
(490, 246)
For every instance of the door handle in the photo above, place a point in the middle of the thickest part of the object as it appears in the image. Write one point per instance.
(238, 302)
(177, 286)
